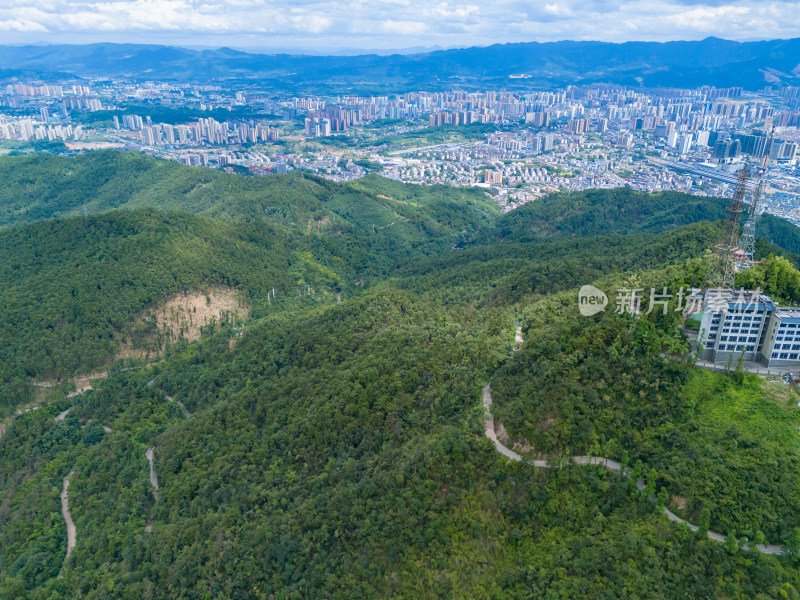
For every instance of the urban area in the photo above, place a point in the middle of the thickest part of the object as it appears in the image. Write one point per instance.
(519, 146)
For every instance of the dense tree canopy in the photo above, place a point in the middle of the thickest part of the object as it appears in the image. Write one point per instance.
(327, 449)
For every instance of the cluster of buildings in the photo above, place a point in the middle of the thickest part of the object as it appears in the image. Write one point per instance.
(690, 140)
(745, 325)
(28, 130)
(203, 130)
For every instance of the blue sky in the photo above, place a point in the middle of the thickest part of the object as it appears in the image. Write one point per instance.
(374, 24)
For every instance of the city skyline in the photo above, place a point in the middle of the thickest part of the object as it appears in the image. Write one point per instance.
(320, 27)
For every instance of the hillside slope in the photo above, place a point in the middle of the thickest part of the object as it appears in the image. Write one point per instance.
(598, 212)
(338, 451)
(421, 220)
(72, 288)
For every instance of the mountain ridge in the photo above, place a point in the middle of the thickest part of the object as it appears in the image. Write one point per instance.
(711, 61)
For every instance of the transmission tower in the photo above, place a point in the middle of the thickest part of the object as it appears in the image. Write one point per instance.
(747, 242)
(723, 266)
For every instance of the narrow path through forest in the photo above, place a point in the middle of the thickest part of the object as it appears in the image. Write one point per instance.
(609, 464)
(71, 531)
(169, 398)
(186, 413)
(153, 478)
(154, 482)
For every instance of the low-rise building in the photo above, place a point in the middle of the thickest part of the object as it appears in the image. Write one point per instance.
(748, 325)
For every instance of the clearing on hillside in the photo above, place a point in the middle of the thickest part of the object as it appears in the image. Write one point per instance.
(182, 317)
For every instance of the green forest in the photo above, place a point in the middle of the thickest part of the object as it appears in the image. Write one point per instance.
(331, 444)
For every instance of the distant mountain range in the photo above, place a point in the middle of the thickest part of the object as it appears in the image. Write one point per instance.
(712, 61)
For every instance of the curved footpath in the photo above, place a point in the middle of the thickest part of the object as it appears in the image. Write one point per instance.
(154, 482)
(71, 530)
(153, 478)
(609, 464)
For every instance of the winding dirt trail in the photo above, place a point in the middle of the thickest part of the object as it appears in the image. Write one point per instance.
(186, 413)
(71, 530)
(609, 464)
(153, 478)
(154, 482)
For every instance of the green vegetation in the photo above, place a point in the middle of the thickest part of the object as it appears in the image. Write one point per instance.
(36, 188)
(780, 232)
(598, 386)
(337, 450)
(595, 212)
(777, 276)
(69, 306)
(38, 147)
(372, 167)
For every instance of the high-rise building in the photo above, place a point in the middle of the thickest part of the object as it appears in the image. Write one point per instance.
(672, 138)
(148, 139)
(684, 143)
(727, 150)
(577, 126)
(325, 127)
(493, 177)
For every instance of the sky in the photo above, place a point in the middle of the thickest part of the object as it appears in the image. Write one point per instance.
(388, 24)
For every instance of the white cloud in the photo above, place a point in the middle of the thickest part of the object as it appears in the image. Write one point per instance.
(21, 25)
(444, 10)
(391, 23)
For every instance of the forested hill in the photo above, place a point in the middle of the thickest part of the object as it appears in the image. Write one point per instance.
(597, 212)
(622, 210)
(337, 451)
(77, 287)
(293, 405)
(43, 187)
(132, 232)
